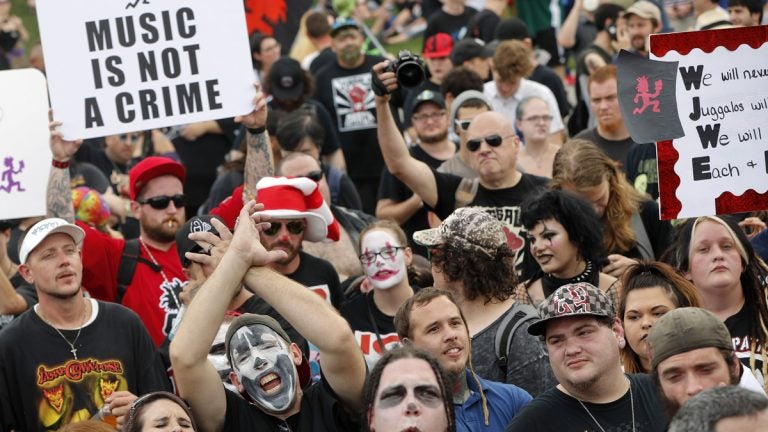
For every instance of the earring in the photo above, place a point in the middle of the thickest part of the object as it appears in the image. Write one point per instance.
(622, 343)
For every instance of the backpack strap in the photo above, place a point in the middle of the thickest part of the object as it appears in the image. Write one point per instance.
(127, 268)
(466, 191)
(334, 182)
(519, 314)
(641, 237)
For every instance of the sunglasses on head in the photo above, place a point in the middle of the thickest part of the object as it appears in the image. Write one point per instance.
(293, 227)
(494, 140)
(161, 202)
(462, 124)
(316, 176)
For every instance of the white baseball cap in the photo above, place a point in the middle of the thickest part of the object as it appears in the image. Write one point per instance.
(39, 231)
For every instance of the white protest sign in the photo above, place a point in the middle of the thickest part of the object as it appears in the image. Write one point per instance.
(24, 143)
(721, 164)
(128, 65)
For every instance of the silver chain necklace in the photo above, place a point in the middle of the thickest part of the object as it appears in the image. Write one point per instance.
(73, 350)
(154, 261)
(631, 402)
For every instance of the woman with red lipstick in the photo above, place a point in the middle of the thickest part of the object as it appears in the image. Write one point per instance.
(715, 254)
(385, 257)
(566, 241)
(649, 290)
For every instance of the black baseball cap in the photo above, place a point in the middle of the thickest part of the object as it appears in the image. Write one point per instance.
(428, 96)
(195, 224)
(286, 79)
(467, 49)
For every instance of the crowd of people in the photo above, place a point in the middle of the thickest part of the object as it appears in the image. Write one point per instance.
(476, 250)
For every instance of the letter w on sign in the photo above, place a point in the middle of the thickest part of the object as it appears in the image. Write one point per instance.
(647, 98)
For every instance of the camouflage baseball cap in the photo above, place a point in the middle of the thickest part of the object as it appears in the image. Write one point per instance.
(575, 299)
(466, 228)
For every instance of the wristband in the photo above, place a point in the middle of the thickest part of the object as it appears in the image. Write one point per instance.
(58, 164)
(256, 131)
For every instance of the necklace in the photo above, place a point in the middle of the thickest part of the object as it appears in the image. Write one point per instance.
(73, 350)
(154, 261)
(631, 402)
(550, 283)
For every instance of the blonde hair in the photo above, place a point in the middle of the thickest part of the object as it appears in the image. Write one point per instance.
(581, 165)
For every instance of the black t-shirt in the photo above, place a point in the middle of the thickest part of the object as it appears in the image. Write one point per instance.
(642, 170)
(454, 25)
(739, 327)
(347, 95)
(556, 411)
(504, 204)
(368, 323)
(321, 410)
(660, 232)
(616, 150)
(201, 158)
(319, 275)
(326, 57)
(483, 25)
(392, 188)
(42, 387)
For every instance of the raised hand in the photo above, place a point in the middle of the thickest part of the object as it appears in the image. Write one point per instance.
(61, 149)
(258, 117)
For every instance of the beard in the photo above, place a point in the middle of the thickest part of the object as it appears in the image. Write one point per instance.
(164, 232)
(432, 139)
(350, 54)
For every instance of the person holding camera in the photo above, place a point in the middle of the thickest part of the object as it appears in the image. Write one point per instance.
(343, 88)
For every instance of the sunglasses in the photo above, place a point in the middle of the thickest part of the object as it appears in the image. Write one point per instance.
(462, 124)
(494, 140)
(315, 176)
(293, 227)
(161, 202)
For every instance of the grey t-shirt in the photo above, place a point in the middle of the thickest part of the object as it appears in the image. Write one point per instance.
(527, 365)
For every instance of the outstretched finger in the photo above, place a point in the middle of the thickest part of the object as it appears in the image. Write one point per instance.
(224, 232)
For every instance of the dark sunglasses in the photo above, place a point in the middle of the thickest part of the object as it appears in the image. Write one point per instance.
(161, 202)
(494, 140)
(316, 176)
(293, 227)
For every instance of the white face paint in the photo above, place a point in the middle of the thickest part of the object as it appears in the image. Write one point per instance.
(263, 363)
(388, 268)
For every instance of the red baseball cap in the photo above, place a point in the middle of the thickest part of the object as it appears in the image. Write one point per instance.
(438, 45)
(150, 168)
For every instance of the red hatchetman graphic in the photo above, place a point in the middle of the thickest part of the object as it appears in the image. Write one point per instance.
(263, 15)
(643, 94)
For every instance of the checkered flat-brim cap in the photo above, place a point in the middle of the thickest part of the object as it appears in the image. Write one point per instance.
(572, 300)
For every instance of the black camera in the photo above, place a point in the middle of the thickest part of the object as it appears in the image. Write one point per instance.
(408, 68)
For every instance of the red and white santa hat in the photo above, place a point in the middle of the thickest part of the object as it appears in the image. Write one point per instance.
(298, 198)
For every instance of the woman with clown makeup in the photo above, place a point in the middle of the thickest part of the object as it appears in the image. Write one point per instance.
(386, 258)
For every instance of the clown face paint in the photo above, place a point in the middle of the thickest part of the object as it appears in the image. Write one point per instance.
(383, 259)
(264, 365)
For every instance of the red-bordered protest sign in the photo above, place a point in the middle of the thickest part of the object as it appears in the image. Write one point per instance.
(720, 163)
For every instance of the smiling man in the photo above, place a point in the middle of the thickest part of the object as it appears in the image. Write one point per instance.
(431, 321)
(583, 338)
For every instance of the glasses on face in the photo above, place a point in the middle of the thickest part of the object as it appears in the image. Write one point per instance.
(388, 253)
(428, 116)
(293, 227)
(316, 176)
(161, 202)
(494, 140)
(462, 124)
(538, 118)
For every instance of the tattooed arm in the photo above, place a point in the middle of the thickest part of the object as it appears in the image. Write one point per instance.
(258, 158)
(59, 195)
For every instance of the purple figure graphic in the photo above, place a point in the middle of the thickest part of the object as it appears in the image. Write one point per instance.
(8, 174)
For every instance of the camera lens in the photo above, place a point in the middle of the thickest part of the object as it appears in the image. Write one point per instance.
(410, 74)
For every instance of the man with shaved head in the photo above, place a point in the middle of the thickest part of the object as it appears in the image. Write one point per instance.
(493, 148)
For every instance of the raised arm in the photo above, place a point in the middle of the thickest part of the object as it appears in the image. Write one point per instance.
(566, 37)
(342, 362)
(197, 379)
(415, 174)
(59, 195)
(259, 161)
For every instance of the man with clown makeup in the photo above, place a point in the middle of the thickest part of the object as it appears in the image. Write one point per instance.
(268, 371)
